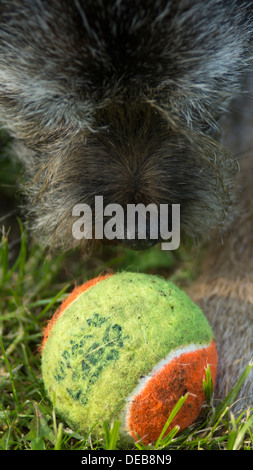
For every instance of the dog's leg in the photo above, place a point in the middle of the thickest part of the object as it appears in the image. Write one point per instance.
(225, 288)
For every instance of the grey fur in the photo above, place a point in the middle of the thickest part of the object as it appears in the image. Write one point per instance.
(123, 98)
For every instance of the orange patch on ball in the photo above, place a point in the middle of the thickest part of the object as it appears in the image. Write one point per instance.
(149, 409)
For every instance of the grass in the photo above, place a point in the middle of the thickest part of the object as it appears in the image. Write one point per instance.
(31, 288)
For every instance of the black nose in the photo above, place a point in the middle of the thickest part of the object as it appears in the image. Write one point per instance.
(140, 236)
(138, 244)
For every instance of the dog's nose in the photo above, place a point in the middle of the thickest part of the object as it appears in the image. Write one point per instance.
(139, 236)
(138, 244)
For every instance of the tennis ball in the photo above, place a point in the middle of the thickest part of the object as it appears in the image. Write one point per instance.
(127, 346)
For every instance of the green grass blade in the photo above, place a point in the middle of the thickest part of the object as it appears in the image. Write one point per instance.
(166, 441)
(231, 397)
(111, 435)
(232, 434)
(208, 385)
(53, 301)
(37, 444)
(59, 435)
(15, 395)
(242, 432)
(4, 262)
(172, 415)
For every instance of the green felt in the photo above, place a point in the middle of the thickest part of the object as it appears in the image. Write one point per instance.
(109, 337)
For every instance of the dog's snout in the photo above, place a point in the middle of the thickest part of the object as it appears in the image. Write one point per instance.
(140, 233)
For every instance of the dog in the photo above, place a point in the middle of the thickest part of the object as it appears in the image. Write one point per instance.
(129, 100)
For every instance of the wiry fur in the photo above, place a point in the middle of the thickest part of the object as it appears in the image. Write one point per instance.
(123, 98)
